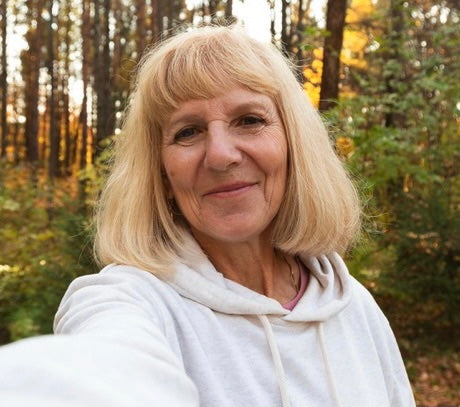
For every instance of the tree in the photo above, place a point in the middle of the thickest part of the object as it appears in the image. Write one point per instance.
(54, 133)
(335, 21)
(65, 84)
(396, 32)
(3, 80)
(105, 118)
(156, 20)
(229, 10)
(402, 136)
(297, 30)
(31, 66)
(141, 27)
(86, 38)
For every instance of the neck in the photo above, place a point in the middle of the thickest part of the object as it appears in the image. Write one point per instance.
(254, 264)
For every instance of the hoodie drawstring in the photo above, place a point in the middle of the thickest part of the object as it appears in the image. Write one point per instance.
(276, 360)
(327, 364)
(279, 365)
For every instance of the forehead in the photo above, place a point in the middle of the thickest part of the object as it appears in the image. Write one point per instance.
(232, 101)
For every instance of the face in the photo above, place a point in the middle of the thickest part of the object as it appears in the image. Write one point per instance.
(225, 160)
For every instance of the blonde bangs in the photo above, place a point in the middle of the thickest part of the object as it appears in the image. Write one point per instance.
(202, 66)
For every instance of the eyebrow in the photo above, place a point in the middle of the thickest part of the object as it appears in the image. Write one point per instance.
(257, 105)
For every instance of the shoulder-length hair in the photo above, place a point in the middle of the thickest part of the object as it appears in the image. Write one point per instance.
(320, 212)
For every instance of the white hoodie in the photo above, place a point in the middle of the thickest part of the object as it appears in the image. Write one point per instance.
(193, 338)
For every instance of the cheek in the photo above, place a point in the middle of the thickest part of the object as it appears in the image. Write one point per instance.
(174, 181)
(276, 169)
(179, 164)
(168, 187)
(172, 168)
(170, 180)
(180, 181)
(277, 158)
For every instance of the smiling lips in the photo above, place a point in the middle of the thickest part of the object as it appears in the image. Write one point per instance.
(229, 190)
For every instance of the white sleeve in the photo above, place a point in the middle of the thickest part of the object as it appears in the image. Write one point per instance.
(109, 351)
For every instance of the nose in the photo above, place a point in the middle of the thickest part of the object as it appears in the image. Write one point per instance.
(222, 151)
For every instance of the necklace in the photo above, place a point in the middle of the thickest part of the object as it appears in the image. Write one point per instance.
(291, 273)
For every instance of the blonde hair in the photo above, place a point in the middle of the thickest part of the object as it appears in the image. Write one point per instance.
(320, 212)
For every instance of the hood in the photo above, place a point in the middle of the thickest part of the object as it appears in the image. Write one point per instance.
(327, 293)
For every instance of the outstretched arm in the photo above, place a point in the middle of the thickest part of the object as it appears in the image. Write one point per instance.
(110, 351)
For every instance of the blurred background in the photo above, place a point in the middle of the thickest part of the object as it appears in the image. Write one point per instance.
(385, 75)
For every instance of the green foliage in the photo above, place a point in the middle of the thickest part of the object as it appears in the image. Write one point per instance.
(92, 178)
(45, 244)
(406, 138)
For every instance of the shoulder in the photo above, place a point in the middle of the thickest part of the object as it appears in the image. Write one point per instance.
(117, 278)
(115, 273)
(363, 299)
(116, 292)
(364, 313)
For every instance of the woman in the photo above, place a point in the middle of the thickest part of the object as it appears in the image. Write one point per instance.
(220, 226)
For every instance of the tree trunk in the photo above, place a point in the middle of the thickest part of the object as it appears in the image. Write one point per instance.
(53, 131)
(97, 76)
(153, 20)
(43, 130)
(105, 119)
(16, 127)
(119, 48)
(396, 28)
(284, 26)
(228, 9)
(86, 38)
(212, 8)
(335, 23)
(67, 136)
(32, 83)
(303, 9)
(65, 106)
(108, 118)
(272, 19)
(191, 16)
(203, 10)
(141, 28)
(170, 14)
(3, 81)
(156, 20)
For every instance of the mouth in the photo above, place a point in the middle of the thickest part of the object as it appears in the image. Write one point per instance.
(232, 189)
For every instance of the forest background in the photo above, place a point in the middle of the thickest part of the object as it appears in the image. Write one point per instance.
(385, 76)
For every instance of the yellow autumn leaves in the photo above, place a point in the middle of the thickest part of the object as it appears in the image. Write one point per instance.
(344, 146)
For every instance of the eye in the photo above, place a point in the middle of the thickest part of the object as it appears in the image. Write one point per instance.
(185, 134)
(250, 120)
